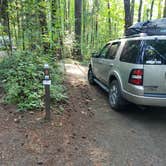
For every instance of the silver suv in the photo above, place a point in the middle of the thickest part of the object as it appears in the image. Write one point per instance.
(132, 70)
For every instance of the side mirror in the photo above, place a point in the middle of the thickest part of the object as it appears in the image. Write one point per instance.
(95, 55)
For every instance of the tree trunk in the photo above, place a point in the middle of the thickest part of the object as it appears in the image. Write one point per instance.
(42, 19)
(78, 13)
(151, 9)
(109, 17)
(128, 22)
(69, 24)
(96, 27)
(93, 25)
(9, 32)
(60, 30)
(84, 31)
(4, 15)
(43, 25)
(159, 9)
(140, 11)
(18, 22)
(132, 10)
(164, 12)
(22, 26)
(53, 22)
(147, 14)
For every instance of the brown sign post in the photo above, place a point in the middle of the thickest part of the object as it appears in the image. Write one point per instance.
(47, 84)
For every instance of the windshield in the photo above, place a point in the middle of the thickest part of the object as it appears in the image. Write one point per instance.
(154, 52)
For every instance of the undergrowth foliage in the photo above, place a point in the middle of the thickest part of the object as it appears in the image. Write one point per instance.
(21, 76)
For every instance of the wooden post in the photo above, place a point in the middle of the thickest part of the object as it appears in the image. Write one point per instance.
(47, 83)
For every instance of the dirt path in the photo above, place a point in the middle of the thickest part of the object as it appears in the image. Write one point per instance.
(89, 133)
(131, 138)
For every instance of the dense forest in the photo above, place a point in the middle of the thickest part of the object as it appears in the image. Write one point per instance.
(34, 32)
(71, 27)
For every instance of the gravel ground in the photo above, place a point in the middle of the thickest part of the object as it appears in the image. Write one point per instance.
(132, 137)
(88, 133)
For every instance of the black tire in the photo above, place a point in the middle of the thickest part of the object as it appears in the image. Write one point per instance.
(115, 96)
(91, 77)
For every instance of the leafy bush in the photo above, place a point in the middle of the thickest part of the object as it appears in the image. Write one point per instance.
(22, 75)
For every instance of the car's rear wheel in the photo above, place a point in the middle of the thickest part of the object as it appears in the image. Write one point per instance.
(115, 96)
(91, 77)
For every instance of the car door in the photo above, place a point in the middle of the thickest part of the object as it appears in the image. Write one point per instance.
(98, 62)
(108, 62)
(154, 60)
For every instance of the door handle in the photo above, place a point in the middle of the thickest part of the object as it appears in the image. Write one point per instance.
(111, 64)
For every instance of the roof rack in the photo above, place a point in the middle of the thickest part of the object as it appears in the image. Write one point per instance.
(140, 35)
(136, 35)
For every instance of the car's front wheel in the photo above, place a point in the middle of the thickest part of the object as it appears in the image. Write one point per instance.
(91, 77)
(115, 96)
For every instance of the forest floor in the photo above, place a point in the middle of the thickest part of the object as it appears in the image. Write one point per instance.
(88, 133)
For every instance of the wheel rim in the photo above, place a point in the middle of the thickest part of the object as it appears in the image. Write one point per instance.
(113, 94)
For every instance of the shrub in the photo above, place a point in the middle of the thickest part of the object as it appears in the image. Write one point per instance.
(21, 76)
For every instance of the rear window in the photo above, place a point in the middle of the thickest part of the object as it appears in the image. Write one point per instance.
(154, 52)
(131, 52)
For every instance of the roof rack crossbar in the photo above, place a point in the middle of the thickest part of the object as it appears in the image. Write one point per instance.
(136, 35)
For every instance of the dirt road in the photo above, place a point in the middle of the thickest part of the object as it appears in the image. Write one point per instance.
(89, 133)
(131, 138)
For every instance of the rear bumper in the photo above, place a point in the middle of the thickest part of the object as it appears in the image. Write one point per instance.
(146, 100)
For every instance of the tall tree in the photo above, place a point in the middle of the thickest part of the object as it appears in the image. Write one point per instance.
(5, 21)
(3, 13)
(96, 21)
(164, 12)
(69, 13)
(43, 23)
(151, 9)
(78, 24)
(84, 21)
(147, 14)
(109, 16)
(42, 16)
(128, 19)
(159, 9)
(22, 27)
(140, 11)
(132, 10)
(53, 21)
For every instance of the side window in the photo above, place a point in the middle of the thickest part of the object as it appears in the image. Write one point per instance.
(104, 51)
(131, 51)
(113, 50)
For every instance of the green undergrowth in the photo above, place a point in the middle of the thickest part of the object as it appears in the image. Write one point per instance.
(21, 76)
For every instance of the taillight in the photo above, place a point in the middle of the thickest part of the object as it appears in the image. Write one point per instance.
(136, 77)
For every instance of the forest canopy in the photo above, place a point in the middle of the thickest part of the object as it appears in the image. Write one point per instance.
(71, 27)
